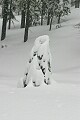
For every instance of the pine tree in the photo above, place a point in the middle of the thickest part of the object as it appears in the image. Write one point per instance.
(52, 5)
(23, 13)
(43, 9)
(30, 10)
(57, 9)
(5, 11)
(22, 18)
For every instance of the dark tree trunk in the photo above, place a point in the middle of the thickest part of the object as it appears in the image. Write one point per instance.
(48, 20)
(42, 13)
(51, 19)
(59, 19)
(77, 3)
(26, 29)
(10, 13)
(22, 19)
(41, 19)
(5, 11)
(27, 22)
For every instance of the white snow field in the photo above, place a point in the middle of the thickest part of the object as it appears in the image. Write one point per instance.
(58, 101)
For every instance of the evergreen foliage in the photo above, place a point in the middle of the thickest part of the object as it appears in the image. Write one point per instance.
(35, 12)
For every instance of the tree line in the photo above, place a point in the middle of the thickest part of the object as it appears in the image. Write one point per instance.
(30, 10)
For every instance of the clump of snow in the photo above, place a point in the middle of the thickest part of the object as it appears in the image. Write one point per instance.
(39, 65)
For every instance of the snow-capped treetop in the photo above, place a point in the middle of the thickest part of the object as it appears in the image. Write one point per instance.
(40, 42)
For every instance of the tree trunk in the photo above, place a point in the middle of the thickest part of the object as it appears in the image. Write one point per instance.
(41, 19)
(59, 19)
(5, 10)
(42, 13)
(10, 12)
(26, 30)
(22, 19)
(77, 3)
(27, 22)
(51, 23)
(48, 20)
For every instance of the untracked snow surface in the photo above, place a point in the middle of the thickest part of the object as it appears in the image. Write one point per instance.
(58, 101)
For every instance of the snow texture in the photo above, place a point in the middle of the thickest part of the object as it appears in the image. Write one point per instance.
(39, 64)
(61, 99)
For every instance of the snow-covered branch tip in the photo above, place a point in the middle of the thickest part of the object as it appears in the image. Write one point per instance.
(39, 65)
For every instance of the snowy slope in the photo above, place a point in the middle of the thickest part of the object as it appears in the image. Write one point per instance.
(57, 101)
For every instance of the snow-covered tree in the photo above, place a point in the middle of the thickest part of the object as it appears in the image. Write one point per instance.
(58, 9)
(39, 65)
(21, 7)
(52, 6)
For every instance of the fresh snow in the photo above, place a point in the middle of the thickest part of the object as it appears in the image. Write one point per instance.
(58, 101)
